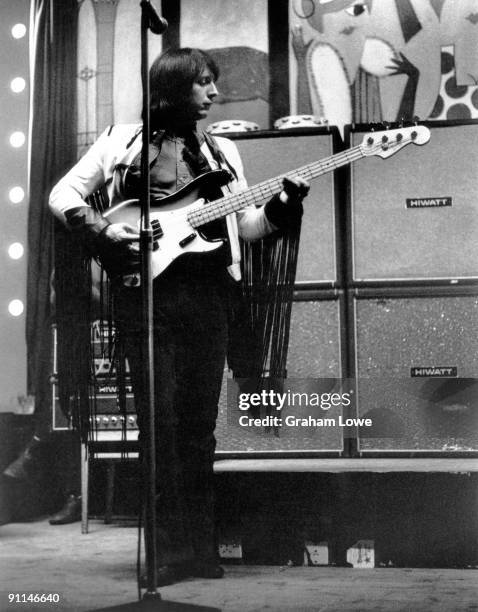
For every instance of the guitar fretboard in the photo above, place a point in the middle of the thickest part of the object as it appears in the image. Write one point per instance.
(266, 189)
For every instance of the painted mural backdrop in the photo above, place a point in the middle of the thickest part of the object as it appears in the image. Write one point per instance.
(373, 60)
(349, 60)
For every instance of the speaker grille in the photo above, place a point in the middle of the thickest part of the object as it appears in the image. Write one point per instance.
(426, 240)
(314, 352)
(417, 373)
(267, 157)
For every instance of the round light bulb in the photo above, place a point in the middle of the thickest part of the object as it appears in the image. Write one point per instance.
(19, 30)
(16, 195)
(18, 84)
(15, 308)
(17, 139)
(16, 250)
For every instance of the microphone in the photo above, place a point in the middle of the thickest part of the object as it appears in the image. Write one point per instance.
(157, 24)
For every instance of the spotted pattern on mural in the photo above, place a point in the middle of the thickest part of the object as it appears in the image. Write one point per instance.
(454, 101)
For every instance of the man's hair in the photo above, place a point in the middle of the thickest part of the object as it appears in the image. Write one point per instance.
(171, 76)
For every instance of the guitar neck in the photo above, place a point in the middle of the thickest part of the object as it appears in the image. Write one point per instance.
(266, 189)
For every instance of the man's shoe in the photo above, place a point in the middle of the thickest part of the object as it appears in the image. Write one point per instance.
(210, 571)
(70, 513)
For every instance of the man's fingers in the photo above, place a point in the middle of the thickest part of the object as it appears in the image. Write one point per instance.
(296, 186)
(129, 232)
(121, 232)
(129, 237)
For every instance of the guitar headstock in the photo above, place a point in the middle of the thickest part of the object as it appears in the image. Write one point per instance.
(387, 142)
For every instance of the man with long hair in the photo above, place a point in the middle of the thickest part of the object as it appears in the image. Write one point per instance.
(191, 296)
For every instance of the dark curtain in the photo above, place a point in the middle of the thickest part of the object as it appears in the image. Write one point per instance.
(53, 34)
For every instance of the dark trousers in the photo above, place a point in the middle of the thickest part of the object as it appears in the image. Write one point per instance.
(190, 339)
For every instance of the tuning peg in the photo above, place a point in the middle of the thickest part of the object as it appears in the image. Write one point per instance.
(416, 119)
(386, 125)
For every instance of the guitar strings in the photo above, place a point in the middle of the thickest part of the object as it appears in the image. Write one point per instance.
(210, 211)
(216, 209)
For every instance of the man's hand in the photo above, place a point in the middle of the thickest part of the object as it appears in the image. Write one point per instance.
(285, 209)
(295, 190)
(122, 234)
(119, 246)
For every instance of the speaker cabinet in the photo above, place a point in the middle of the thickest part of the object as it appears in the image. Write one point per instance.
(416, 361)
(414, 216)
(314, 353)
(269, 154)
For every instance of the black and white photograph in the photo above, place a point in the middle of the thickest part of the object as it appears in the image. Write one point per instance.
(239, 306)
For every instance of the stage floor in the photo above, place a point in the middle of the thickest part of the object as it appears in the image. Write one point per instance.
(97, 570)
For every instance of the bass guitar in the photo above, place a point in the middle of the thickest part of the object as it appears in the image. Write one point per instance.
(179, 221)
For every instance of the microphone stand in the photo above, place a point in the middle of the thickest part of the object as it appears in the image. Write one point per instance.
(149, 20)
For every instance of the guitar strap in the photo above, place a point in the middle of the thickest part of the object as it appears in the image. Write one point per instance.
(218, 155)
